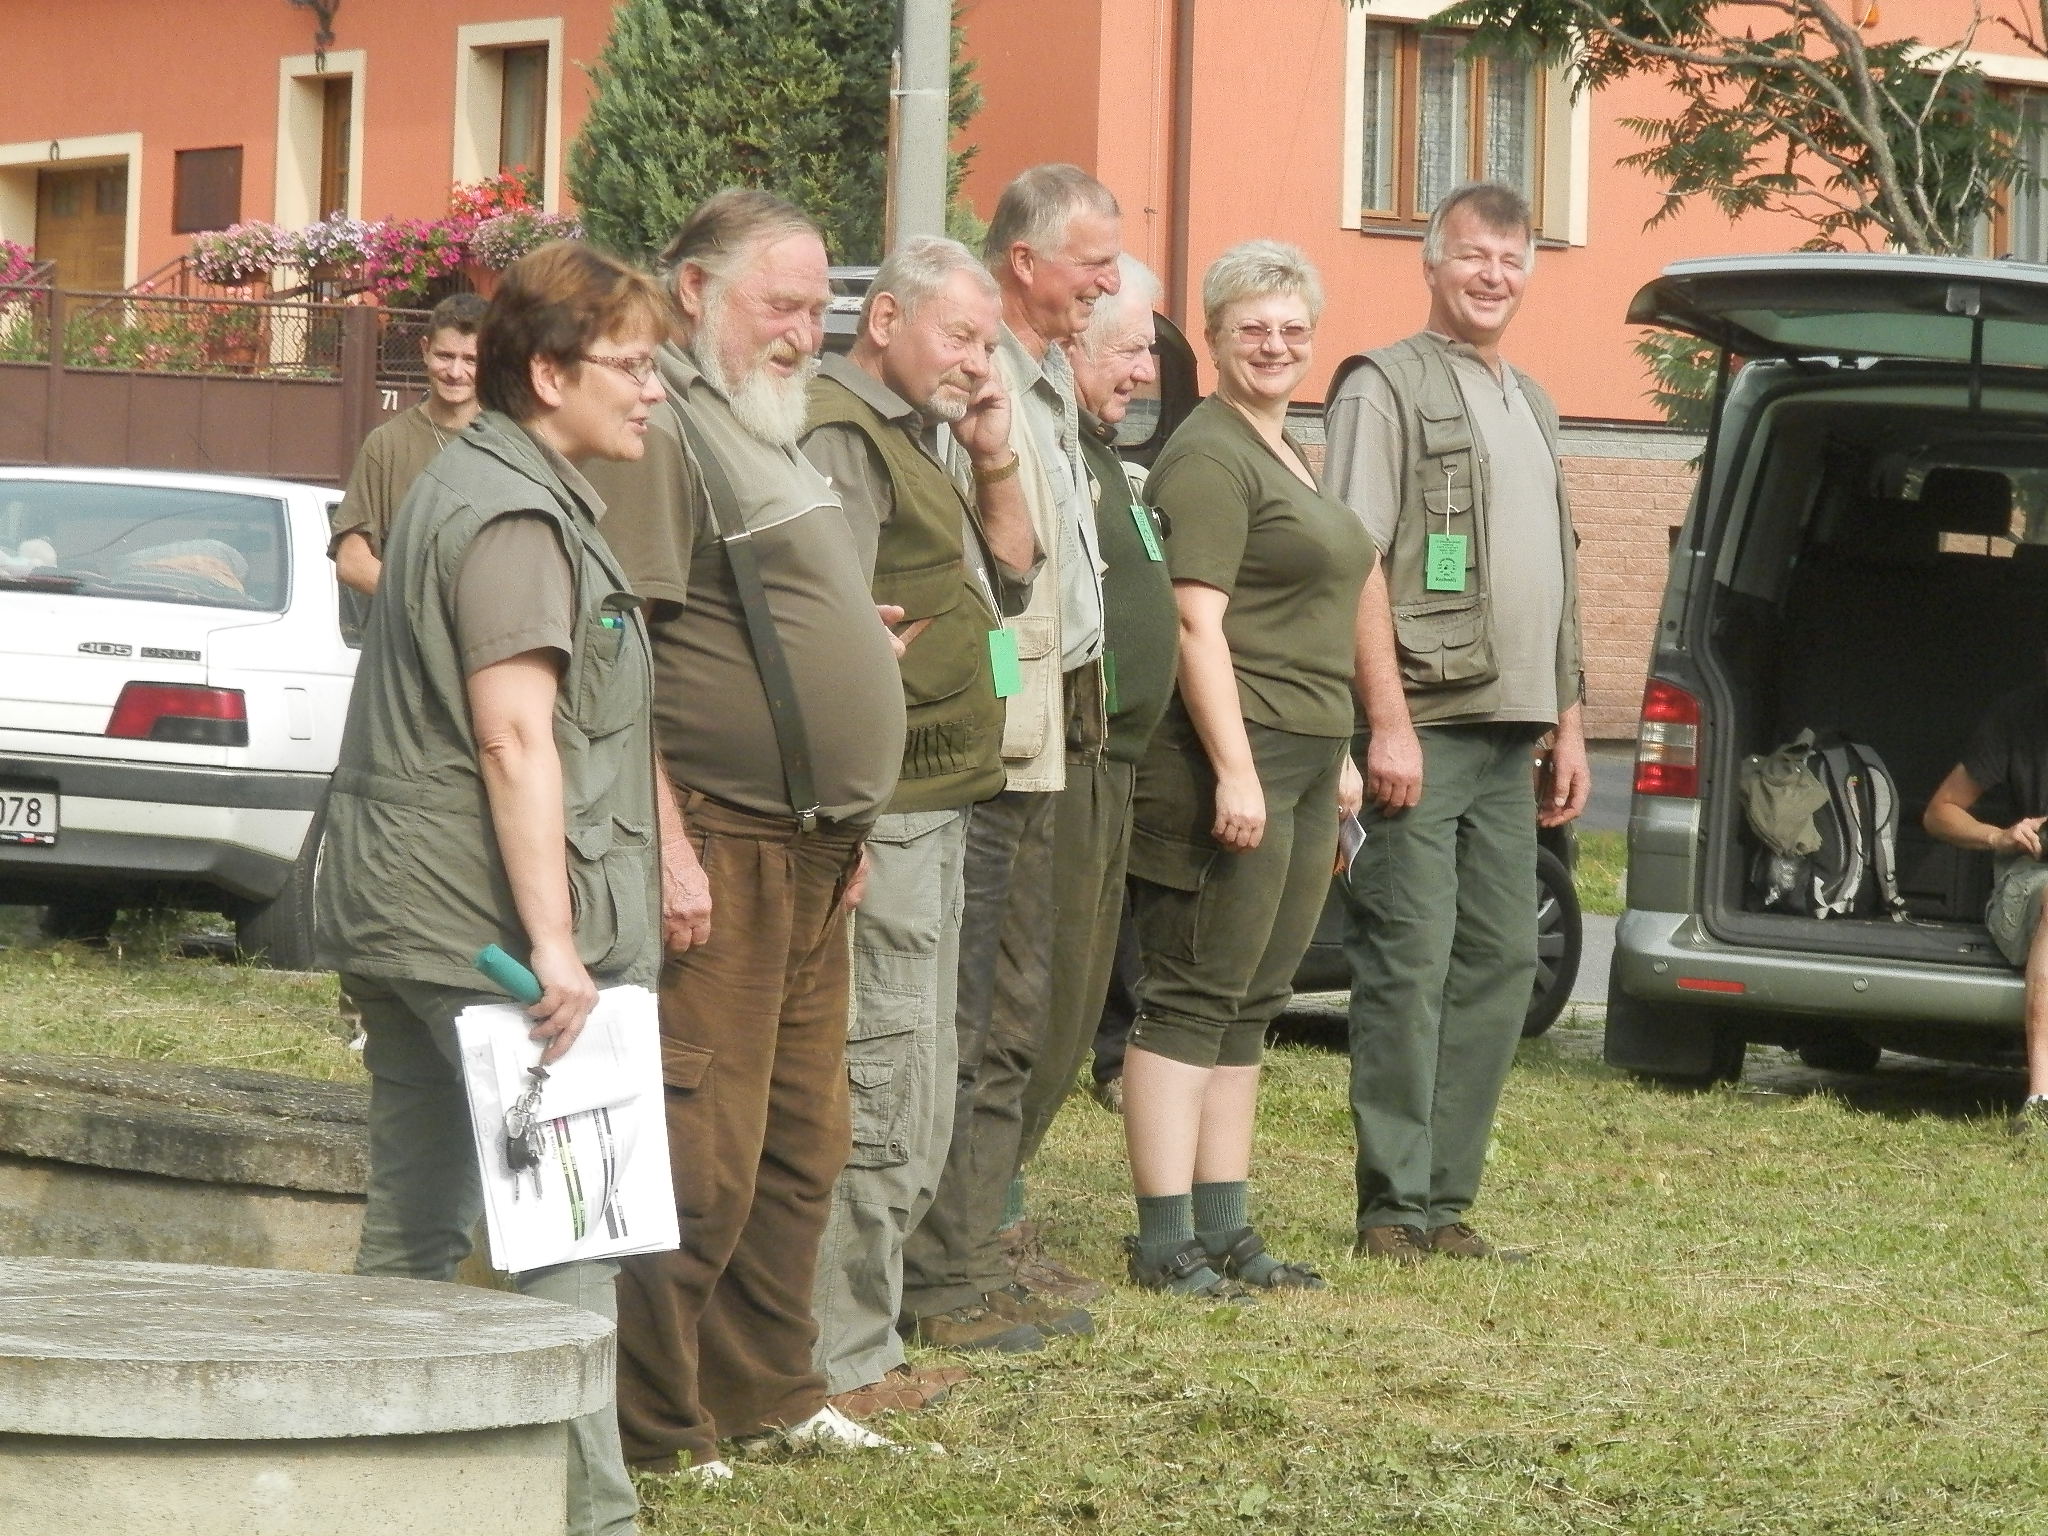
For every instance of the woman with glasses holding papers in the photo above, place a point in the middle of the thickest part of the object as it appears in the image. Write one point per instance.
(496, 783)
(1238, 799)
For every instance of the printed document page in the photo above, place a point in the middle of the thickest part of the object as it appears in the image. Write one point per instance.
(600, 1186)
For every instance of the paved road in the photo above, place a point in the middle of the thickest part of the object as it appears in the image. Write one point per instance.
(1614, 771)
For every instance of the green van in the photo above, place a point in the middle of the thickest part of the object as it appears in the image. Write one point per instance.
(1866, 554)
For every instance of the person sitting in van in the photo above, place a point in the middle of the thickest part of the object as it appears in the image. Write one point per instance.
(2006, 768)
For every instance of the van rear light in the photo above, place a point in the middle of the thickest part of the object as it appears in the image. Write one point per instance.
(205, 717)
(1668, 743)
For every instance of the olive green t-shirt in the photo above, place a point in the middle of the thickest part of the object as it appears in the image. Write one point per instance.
(710, 712)
(390, 460)
(1292, 560)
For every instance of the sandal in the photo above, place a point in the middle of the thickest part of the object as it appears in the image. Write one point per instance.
(1246, 1245)
(1176, 1273)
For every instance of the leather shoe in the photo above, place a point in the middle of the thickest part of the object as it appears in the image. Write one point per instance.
(1395, 1243)
(1048, 1314)
(1033, 1268)
(975, 1326)
(1458, 1241)
(904, 1390)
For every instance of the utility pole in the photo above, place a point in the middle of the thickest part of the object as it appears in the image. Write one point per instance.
(917, 167)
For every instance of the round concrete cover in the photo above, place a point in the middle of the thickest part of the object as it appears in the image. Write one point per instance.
(192, 1352)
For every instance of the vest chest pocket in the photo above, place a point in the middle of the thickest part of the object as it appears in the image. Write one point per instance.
(950, 652)
(611, 691)
(1447, 639)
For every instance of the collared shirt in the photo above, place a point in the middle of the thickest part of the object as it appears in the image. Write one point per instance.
(1049, 406)
(1524, 558)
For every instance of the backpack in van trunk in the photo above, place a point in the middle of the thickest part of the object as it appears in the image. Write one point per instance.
(1827, 816)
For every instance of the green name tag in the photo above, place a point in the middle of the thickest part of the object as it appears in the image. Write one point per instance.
(1446, 563)
(1143, 518)
(1005, 670)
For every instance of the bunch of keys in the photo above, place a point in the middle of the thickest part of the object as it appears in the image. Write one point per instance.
(522, 1123)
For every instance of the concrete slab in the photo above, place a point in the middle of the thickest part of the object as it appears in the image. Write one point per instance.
(213, 1124)
(192, 1352)
(501, 1482)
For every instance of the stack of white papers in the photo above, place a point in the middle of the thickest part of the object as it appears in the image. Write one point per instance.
(601, 1187)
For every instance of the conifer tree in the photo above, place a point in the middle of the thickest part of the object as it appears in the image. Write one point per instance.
(695, 95)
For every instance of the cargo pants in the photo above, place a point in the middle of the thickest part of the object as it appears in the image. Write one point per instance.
(902, 1064)
(1441, 938)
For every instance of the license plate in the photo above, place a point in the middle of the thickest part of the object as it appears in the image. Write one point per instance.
(28, 816)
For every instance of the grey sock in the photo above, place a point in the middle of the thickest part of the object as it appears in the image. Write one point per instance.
(1220, 1214)
(1166, 1224)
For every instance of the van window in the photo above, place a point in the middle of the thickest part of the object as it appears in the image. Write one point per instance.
(149, 543)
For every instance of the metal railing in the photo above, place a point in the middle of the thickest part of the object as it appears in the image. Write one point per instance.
(170, 333)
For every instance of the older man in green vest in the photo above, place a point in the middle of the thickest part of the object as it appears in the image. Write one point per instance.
(1468, 655)
(952, 565)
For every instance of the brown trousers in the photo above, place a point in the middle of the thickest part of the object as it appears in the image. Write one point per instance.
(715, 1339)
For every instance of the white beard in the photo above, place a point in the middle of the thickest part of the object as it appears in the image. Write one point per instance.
(770, 408)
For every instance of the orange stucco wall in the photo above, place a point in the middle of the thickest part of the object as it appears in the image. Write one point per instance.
(197, 77)
(1267, 159)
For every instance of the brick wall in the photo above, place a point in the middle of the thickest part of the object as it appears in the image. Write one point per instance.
(1625, 503)
(1630, 487)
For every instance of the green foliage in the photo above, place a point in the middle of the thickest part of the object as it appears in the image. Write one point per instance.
(1682, 377)
(696, 95)
(1896, 142)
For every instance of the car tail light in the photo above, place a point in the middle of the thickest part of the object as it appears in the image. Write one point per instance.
(1668, 743)
(209, 717)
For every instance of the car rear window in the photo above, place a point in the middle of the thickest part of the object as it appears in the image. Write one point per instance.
(152, 543)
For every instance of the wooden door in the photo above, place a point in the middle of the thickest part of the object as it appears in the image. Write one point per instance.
(82, 226)
(337, 125)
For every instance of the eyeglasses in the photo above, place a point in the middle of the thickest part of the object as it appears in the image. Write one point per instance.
(1252, 335)
(638, 369)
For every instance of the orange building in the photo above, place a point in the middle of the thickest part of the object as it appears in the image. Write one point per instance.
(1336, 126)
(123, 128)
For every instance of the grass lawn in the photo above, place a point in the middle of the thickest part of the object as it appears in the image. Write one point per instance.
(1603, 861)
(1752, 1312)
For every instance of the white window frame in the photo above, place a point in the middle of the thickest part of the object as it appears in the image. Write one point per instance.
(301, 99)
(1565, 151)
(480, 98)
(20, 162)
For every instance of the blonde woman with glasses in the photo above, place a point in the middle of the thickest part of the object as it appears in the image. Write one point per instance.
(1239, 797)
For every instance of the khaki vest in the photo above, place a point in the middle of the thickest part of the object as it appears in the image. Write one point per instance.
(952, 746)
(1034, 730)
(1445, 640)
(411, 882)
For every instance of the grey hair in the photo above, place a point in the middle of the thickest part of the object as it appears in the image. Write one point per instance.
(1137, 292)
(917, 269)
(1500, 208)
(1253, 270)
(1038, 205)
(727, 223)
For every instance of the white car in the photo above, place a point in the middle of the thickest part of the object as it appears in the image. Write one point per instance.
(174, 675)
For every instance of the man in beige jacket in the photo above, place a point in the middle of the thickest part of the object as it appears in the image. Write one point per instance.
(1053, 248)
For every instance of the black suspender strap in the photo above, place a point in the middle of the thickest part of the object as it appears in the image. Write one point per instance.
(792, 741)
